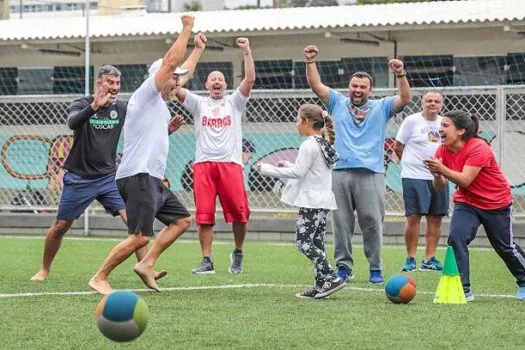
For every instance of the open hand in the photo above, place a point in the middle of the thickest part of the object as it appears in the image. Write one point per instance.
(102, 97)
(175, 123)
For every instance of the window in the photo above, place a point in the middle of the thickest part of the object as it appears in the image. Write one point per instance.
(274, 74)
(332, 74)
(70, 80)
(132, 76)
(336, 74)
(32, 81)
(202, 71)
(480, 70)
(430, 71)
(8, 81)
(377, 67)
(515, 68)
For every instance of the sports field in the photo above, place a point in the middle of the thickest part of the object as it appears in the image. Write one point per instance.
(254, 310)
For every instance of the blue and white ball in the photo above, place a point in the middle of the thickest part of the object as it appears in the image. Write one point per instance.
(122, 316)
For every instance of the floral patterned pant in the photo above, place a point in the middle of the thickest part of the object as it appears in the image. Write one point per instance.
(310, 232)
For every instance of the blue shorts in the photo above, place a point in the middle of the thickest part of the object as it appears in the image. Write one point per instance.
(422, 199)
(79, 192)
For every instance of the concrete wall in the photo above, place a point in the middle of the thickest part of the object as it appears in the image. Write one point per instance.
(278, 227)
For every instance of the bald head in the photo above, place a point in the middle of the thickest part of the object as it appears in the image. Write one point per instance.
(216, 84)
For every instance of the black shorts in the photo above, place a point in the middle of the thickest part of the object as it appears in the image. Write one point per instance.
(147, 198)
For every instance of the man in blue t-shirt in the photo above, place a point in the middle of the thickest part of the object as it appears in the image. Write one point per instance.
(358, 181)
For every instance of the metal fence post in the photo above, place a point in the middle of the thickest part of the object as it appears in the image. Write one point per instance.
(501, 117)
(87, 53)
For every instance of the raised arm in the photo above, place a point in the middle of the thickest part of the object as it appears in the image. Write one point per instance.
(79, 115)
(175, 54)
(312, 74)
(404, 94)
(191, 62)
(249, 67)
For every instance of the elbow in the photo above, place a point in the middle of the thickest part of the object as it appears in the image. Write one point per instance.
(71, 125)
(250, 80)
(406, 98)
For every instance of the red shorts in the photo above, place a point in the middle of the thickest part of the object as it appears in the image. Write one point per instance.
(212, 179)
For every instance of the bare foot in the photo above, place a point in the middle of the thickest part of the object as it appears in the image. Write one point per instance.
(160, 274)
(100, 286)
(40, 276)
(146, 275)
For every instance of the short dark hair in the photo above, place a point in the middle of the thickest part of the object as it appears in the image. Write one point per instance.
(363, 75)
(108, 69)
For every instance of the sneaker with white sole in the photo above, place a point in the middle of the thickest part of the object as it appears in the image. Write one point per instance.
(235, 262)
(308, 294)
(431, 264)
(330, 287)
(204, 268)
(469, 296)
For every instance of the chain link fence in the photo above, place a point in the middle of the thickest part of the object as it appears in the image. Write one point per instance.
(35, 142)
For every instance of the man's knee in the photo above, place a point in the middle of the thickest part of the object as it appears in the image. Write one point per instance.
(60, 227)
(139, 240)
(184, 223)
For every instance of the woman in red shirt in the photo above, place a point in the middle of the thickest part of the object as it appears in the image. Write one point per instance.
(482, 196)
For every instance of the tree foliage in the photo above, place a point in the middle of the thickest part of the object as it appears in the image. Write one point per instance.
(193, 6)
(309, 3)
(370, 2)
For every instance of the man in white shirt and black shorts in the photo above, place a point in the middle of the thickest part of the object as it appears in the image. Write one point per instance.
(218, 169)
(417, 140)
(141, 171)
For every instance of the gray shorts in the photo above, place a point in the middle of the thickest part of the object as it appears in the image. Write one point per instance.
(421, 198)
(147, 198)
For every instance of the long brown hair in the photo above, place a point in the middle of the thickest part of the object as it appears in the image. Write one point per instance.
(319, 119)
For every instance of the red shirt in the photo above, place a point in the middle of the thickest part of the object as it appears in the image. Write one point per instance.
(490, 189)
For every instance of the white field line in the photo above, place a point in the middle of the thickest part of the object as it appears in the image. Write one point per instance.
(228, 286)
(192, 241)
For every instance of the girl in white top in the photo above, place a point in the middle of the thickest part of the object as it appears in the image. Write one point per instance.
(310, 189)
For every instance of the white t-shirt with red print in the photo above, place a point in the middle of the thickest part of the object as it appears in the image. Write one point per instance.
(218, 126)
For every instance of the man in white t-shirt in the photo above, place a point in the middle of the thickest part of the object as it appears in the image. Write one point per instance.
(416, 141)
(218, 166)
(141, 170)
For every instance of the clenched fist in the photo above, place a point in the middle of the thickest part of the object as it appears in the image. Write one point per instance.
(187, 21)
(244, 44)
(311, 52)
(396, 65)
(200, 41)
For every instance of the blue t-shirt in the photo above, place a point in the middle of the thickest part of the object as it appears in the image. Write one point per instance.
(360, 145)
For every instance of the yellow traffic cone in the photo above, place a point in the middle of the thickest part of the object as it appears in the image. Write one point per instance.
(450, 289)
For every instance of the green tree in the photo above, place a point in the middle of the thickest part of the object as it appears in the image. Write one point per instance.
(193, 6)
(308, 3)
(370, 2)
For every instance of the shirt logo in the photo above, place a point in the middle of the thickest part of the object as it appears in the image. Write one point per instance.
(208, 122)
(113, 114)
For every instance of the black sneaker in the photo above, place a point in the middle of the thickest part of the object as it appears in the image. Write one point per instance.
(330, 287)
(235, 263)
(308, 294)
(205, 268)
